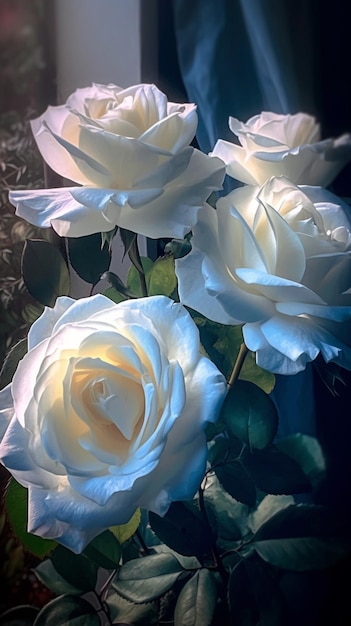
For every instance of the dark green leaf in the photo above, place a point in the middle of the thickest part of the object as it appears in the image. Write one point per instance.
(275, 472)
(228, 518)
(130, 242)
(23, 615)
(307, 452)
(230, 471)
(124, 612)
(11, 361)
(68, 611)
(178, 248)
(266, 591)
(76, 569)
(236, 480)
(144, 580)
(44, 271)
(17, 510)
(241, 599)
(184, 529)
(114, 295)
(118, 285)
(47, 574)
(197, 600)
(104, 550)
(302, 538)
(250, 414)
(88, 257)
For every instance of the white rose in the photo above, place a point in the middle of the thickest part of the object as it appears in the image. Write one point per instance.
(128, 149)
(106, 413)
(276, 259)
(283, 145)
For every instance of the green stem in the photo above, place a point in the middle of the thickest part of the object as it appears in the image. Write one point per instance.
(143, 284)
(238, 365)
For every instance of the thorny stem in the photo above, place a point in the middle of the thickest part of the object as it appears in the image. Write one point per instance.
(238, 365)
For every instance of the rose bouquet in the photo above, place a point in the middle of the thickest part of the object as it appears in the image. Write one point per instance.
(138, 423)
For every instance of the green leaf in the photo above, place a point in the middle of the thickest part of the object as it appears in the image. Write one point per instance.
(114, 295)
(241, 599)
(307, 452)
(229, 340)
(104, 550)
(231, 473)
(11, 361)
(68, 611)
(228, 518)
(118, 285)
(44, 271)
(133, 280)
(266, 591)
(178, 248)
(23, 615)
(303, 538)
(130, 242)
(162, 278)
(187, 562)
(124, 612)
(144, 580)
(184, 529)
(76, 569)
(269, 506)
(125, 531)
(253, 373)
(275, 472)
(89, 257)
(48, 575)
(17, 510)
(197, 600)
(250, 414)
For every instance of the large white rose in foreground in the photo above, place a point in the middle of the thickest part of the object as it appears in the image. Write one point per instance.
(106, 413)
(283, 145)
(278, 260)
(129, 150)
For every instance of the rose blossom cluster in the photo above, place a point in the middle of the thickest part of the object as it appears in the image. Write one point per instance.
(274, 255)
(106, 412)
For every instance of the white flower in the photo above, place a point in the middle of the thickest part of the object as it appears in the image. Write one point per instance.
(106, 413)
(129, 150)
(283, 145)
(276, 259)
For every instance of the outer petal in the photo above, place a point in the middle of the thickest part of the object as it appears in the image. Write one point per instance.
(55, 154)
(284, 346)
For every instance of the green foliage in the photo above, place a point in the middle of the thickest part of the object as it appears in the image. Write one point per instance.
(222, 344)
(45, 272)
(250, 415)
(157, 575)
(76, 569)
(68, 611)
(89, 256)
(302, 538)
(184, 529)
(124, 612)
(125, 531)
(197, 600)
(104, 550)
(218, 558)
(11, 361)
(16, 502)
